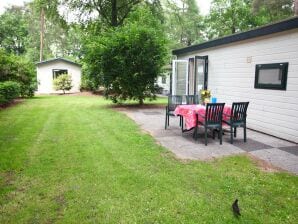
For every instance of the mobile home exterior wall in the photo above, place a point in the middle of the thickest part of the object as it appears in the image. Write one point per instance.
(231, 78)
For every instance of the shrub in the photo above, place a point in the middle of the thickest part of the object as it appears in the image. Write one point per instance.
(127, 60)
(9, 90)
(63, 82)
(16, 68)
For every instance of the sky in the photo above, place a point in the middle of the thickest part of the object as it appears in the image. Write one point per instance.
(204, 5)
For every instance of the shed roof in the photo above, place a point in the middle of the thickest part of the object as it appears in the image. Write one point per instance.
(281, 26)
(58, 59)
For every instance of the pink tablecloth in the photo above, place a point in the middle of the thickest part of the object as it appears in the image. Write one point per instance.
(189, 113)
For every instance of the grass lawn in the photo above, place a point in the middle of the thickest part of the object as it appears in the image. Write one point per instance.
(72, 159)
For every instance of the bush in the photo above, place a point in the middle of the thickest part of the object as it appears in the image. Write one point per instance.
(63, 82)
(9, 90)
(126, 60)
(17, 69)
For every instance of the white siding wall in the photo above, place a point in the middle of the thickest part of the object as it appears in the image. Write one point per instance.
(45, 76)
(232, 76)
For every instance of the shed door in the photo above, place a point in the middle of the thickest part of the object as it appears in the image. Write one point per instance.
(180, 77)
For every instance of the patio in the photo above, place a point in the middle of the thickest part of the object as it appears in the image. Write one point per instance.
(273, 152)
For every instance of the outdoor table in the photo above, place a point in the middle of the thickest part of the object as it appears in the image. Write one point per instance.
(190, 112)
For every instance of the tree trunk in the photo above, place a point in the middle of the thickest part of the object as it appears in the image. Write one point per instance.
(141, 101)
(42, 19)
(296, 8)
(114, 13)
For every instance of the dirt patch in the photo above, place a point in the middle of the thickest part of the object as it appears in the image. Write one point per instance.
(6, 178)
(135, 106)
(11, 104)
(264, 165)
(60, 201)
(84, 93)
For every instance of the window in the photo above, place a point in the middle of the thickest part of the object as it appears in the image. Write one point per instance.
(271, 76)
(163, 80)
(57, 72)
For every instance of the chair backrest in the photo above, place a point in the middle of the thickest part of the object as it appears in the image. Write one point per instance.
(214, 113)
(238, 113)
(174, 101)
(192, 99)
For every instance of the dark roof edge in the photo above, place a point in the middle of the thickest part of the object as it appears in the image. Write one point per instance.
(258, 32)
(58, 59)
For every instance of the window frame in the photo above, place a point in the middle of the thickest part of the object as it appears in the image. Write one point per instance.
(284, 76)
(55, 70)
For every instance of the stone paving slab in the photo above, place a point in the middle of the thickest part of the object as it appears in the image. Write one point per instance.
(290, 149)
(251, 145)
(279, 158)
(279, 153)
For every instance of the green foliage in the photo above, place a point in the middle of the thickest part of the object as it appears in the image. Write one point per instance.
(232, 16)
(13, 30)
(9, 90)
(184, 24)
(111, 13)
(18, 69)
(271, 10)
(63, 82)
(127, 60)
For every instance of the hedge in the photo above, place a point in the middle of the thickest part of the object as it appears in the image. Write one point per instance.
(9, 90)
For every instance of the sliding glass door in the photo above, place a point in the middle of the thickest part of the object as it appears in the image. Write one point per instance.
(190, 76)
(180, 77)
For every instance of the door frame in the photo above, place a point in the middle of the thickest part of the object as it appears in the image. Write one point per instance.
(189, 75)
(205, 58)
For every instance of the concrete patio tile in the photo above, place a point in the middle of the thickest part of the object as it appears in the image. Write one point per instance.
(290, 149)
(269, 140)
(197, 150)
(250, 145)
(279, 158)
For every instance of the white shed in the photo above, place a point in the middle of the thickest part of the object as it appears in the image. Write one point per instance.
(259, 66)
(50, 69)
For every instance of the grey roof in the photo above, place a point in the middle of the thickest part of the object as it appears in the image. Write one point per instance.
(58, 59)
(281, 26)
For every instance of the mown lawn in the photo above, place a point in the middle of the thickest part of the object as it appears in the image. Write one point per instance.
(71, 159)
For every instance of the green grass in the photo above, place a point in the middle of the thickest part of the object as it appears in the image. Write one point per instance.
(72, 159)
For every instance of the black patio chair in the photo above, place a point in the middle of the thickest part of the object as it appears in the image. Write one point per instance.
(192, 99)
(237, 118)
(212, 120)
(173, 102)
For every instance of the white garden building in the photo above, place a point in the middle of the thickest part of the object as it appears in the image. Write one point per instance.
(48, 70)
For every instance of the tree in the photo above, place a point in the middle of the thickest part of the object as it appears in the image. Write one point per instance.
(273, 10)
(16, 68)
(110, 12)
(230, 16)
(47, 9)
(63, 82)
(184, 23)
(13, 30)
(127, 60)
